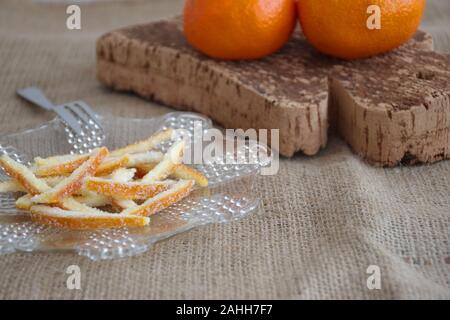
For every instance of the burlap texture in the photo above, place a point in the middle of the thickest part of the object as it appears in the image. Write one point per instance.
(322, 222)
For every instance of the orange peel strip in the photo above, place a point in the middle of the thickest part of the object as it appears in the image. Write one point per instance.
(111, 164)
(122, 204)
(11, 186)
(125, 190)
(171, 159)
(123, 174)
(93, 200)
(65, 165)
(23, 175)
(145, 145)
(181, 171)
(144, 162)
(178, 191)
(145, 157)
(61, 168)
(184, 172)
(143, 169)
(84, 220)
(53, 181)
(24, 202)
(56, 160)
(72, 204)
(74, 182)
(14, 186)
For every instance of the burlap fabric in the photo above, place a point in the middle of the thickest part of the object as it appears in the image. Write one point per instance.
(322, 222)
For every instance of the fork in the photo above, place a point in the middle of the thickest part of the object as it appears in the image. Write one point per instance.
(84, 129)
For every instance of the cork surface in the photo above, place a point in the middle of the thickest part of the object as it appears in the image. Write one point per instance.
(288, 90)
(296, 75)
(395, 109)
(234, 94)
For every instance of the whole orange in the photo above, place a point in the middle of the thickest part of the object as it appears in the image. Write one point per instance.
(339, 27)
(239, 29)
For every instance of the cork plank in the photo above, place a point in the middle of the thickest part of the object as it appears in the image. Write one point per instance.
(288, 90)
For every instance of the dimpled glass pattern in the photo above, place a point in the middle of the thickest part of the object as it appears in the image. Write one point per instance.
(229, 196)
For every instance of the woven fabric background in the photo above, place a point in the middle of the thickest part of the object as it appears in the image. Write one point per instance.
(322, 222)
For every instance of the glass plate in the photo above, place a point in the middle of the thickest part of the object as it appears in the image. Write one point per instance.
(230, 195)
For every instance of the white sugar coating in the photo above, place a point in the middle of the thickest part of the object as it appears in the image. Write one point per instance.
(74, 205)
(60, 213)
(111, 161)
(58, 160)
(123, 174)
(53, 181)
(26, 173)
(125, 203)
(76, 176)
(170, 196)
(144, 158)
(11, 186)
(92, 199)
(145, 145)
(24, 202)
(129, 184)
(163, 169)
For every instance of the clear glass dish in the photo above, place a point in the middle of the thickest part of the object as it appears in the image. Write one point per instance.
(229, 196)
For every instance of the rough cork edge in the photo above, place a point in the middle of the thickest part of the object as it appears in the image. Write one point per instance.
(386, 138)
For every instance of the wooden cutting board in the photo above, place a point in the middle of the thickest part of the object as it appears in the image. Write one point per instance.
(391, 109)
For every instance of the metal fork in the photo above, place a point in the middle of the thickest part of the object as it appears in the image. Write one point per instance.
(84, 129)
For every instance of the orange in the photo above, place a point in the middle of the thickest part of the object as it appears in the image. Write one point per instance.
(238, 29)
(339, 27)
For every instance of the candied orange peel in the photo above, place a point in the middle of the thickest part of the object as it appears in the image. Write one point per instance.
(103, 189)
(84, 220)
(163, 200)
(74, 182)
(125, 190)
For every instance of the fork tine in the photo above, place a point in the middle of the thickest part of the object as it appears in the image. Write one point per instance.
(67, 117)
(82, 125)
(94, 133)
(37, 97)
(78, 114)
(88, 110)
